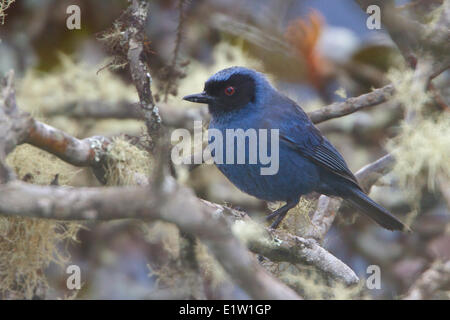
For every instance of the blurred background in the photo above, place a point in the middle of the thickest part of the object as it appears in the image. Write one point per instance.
(315, 51)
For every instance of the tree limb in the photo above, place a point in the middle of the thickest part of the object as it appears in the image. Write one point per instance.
(432, 280)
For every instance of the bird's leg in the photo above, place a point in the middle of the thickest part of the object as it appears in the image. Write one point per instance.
(281, 213)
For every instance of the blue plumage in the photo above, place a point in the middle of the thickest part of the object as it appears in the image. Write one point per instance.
(240, 98)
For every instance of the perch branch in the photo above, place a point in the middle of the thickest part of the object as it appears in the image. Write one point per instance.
(278, 246)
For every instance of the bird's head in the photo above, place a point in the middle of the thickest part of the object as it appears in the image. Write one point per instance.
(231, 89)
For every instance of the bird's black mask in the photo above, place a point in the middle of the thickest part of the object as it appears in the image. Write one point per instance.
(226, 95)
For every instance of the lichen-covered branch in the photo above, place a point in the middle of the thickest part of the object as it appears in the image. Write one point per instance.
(431, 281)
(140, 72)
(185, 210)
(18, 127)
(177, 205)
(13, 124)
(279, 246)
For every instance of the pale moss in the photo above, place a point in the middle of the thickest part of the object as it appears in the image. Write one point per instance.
(410, 91)
(422, 153)
(166, 236)
(127, 164)
(249, 231)
(166, 233)
(210, 268)
(112, 127)
(27, 247)
(422, 147)
(71, 83)
(38, 166)
(433, 17)
(173, 273)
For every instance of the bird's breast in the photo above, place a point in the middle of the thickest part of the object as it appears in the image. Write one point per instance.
(254, 160)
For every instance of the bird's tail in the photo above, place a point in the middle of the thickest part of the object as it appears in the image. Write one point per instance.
(376, 212)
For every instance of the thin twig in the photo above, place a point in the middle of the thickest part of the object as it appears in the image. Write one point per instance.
(340, 109)
(171, 81)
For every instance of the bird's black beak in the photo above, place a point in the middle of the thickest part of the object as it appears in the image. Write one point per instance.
(199, 98)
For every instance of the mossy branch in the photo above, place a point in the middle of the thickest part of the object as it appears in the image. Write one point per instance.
(436, 278)
(183, 208)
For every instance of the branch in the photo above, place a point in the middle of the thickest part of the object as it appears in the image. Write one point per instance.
(78, 152)
(177, 205)
(279, 246)
(434, 279)
(18, 127)
(172, 116)
(13, 124)
(173, 71)
(140, 72)
(351, 105)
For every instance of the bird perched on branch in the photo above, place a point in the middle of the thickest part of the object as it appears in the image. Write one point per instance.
(240, 98)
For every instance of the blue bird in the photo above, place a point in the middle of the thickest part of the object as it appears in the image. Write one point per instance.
(240, 98)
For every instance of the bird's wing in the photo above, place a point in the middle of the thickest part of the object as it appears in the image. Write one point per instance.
(302, 136)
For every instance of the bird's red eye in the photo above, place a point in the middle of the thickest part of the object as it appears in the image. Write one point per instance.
(229, 91)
